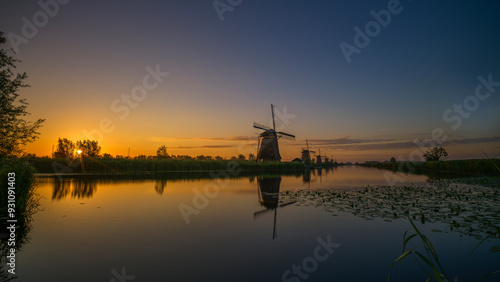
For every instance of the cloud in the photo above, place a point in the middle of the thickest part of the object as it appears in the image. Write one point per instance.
(345, 143)
(475, 140)
(230, 138)
(202, 147)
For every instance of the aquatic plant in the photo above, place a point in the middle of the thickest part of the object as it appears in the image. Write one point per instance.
(428, 262)
(469, 209)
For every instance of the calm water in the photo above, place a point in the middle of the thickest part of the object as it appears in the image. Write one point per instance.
(238, 229)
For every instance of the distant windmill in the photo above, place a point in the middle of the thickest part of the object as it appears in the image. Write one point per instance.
(306, 154)
(268, 149)
(318, 157)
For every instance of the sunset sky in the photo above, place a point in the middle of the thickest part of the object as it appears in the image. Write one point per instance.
(433, 66)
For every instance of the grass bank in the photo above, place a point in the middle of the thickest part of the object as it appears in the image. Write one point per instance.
(89, 165)
(477, 166)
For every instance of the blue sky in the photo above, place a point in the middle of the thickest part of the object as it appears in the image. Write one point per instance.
(225, 74)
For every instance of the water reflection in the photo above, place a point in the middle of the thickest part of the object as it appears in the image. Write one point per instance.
(79, 187)
(85, 185)
(269, 189)
(160, 185)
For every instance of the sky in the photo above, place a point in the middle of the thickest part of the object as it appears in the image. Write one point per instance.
(360, 80)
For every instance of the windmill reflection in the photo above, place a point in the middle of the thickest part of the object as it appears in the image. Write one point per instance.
(306, 177)
(269, 188)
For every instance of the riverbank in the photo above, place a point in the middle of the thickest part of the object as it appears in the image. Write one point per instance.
(475, 166)
(103, 165)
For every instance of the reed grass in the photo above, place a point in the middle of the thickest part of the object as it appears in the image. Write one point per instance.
(429, 261)
(91, 165)
(26, 204)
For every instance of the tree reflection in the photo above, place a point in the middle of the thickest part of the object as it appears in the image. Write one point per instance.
(79, 187)
(61, 188)
(84, 188)
(160, 185)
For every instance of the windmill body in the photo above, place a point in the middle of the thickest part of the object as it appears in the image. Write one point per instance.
(306, 153)
(306, 156)
(319, 158)
(268, 149)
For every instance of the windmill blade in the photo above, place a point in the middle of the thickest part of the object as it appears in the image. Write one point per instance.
(272, 110)
(286, 135)
(260, 126)
(286, 204)
(312, 152)
(262, 212)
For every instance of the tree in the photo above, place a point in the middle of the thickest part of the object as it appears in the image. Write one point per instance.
(65, 149)
(162, 152)
(393, 160)
(15, 131)
(241, 157)
(88, 148)
(251, 157)
(435, 154)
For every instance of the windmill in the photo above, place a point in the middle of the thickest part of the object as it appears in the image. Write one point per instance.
(306, 154)
(325, 157)
(318, 157)
(267, 148)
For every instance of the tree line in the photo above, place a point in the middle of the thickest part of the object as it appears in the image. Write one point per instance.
(66, 148)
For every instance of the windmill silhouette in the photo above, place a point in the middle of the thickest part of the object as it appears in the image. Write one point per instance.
(268, 149)
(306, 153)
(319, 158)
